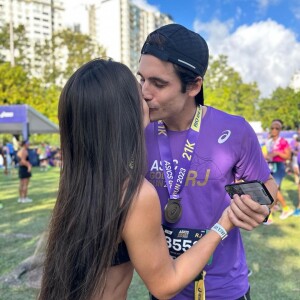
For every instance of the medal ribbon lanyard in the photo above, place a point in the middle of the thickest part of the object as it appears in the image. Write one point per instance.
(175, 180)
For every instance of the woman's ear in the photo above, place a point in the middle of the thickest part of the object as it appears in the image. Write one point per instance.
(194, 88)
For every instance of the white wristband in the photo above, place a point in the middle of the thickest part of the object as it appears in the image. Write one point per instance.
(219, 229)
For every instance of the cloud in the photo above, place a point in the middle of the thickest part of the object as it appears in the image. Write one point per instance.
(265, 52)
(146, 6)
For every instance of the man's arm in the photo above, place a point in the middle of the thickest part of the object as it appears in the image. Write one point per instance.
(272, 187)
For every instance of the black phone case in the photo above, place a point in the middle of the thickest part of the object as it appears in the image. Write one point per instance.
(255, 189)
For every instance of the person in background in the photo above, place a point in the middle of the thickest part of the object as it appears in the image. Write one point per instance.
(24, 172)
(106, 220)
(42, 151)
(193, 151)
(16, 146)
(296, 153)
(278, 152)
(295, 148)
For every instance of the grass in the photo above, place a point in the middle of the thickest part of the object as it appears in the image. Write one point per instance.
(273, 252)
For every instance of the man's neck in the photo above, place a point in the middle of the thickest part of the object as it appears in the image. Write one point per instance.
(183, 122)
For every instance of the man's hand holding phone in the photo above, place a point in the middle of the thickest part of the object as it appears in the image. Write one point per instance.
(249, 205)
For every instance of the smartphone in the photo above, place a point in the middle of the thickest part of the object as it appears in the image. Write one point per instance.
(255, 189)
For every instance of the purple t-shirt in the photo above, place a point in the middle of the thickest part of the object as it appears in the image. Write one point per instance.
(227, 149)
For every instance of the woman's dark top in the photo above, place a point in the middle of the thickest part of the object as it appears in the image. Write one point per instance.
(23, 170)
(121, 256)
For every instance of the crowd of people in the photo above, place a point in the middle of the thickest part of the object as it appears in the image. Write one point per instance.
(20, 156)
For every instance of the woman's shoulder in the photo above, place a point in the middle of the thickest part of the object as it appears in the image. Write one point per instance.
(144, 210)
(147, 193)
(146, 200)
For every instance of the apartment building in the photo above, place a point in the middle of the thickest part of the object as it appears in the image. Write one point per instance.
(295, 82)
(40, 18)
(121, 27)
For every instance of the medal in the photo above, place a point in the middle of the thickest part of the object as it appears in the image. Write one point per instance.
(173, 210)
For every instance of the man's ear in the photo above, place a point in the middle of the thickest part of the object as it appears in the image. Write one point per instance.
(195, 88)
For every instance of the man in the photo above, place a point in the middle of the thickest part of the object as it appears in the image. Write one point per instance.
(193, 152)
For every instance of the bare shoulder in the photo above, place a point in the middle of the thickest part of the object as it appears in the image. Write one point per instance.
(145, 209)
(147, 196)
(147, 189)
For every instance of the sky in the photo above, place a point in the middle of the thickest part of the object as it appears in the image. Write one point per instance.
(261, 38)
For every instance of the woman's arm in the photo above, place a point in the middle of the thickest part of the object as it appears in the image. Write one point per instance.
(146, 243)
(285, 154)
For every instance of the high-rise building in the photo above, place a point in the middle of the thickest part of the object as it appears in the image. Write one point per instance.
(40, 18)
(295, 82)
(121, 27)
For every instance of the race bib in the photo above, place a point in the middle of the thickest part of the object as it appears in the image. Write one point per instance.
(181, 239)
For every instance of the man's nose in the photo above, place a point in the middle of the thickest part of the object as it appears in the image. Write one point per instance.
(146, 91)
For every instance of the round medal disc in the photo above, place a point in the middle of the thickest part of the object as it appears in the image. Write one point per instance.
(173, 210)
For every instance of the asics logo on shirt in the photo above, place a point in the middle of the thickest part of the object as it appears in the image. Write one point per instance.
(224, 137)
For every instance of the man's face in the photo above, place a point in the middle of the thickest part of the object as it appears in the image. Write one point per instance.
(161, 88)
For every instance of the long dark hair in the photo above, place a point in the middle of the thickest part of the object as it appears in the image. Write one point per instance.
(103, 155)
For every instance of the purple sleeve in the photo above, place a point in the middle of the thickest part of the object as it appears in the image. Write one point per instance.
(252, 164)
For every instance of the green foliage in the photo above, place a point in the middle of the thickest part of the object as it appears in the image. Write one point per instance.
(17, 87)
(46, 61)
(78, 49)
(21, 44)
(14, 87)
(225, 90)
(283, 104)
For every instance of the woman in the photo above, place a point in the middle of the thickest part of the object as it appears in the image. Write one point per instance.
(107, 218)
(24, 172)
(278, 152)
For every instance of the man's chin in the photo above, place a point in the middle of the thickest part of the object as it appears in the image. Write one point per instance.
(154, 116)
(153, 119)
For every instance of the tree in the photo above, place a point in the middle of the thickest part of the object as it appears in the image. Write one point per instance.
(283, 104)
(14, 84)
(21, 45)
(80, 48)
(225, 90)
(17, 87)
(46, 61)
(64, 53)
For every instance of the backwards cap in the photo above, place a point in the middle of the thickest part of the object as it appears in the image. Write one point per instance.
(182, 47)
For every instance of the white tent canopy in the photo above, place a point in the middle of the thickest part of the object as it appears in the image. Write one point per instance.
(23, 119)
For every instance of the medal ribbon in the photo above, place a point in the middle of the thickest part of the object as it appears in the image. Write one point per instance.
(199, 287)
(175, 180)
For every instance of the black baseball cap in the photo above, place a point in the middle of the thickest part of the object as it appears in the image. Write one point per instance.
(182, 47)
